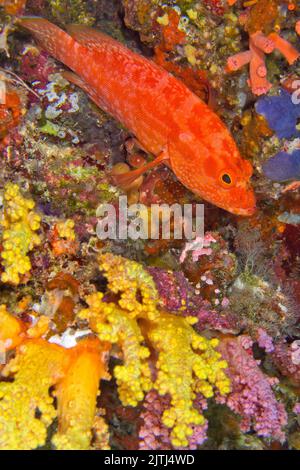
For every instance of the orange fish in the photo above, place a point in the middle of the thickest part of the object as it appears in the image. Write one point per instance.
(166, 118)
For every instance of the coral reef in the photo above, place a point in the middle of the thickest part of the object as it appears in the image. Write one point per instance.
(251, 395)
(24, 426)
(259, 19)
(162, 343)
(168, 336)
(19, 224)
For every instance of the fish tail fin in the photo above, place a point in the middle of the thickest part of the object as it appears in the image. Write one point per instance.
(51, 38)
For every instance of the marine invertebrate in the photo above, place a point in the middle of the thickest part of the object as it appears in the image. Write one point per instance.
(154, 434)
(20, 224)
(259, 45)
(187, 362)
(181, 296)
(208, 264)
(13, 7)
(283, 166)
(256, 303)
(63, 238)
(286, 357)
(259, 21)
(71, 11)
(251, 395)
(281, 113)
(73, 373)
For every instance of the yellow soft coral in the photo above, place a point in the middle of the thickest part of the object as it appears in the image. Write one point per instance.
(115, 326)
(136, 287)
(76, 395)
(19, 223)
(186, 364)
(65, 229)
(26, 408)
(11, 330)
(26, 404)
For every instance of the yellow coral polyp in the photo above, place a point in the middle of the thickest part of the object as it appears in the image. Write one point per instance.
(20, 428)
(115, 326)
(186, 364)
(26, 404)
(136, 287)
(19, 223)
(76, 395)
(65, 229)
(11, 330)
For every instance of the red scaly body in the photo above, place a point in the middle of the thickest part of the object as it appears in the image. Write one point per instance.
(163, 114)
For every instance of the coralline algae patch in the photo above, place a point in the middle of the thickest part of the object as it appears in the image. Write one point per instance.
(149, 344)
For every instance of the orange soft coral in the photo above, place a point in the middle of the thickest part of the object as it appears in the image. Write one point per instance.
(259, 45)
(259, 20)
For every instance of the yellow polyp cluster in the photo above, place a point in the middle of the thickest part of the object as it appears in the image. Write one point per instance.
(19, 223)
(136, 287)
(36, 368)
(114, 325)
(11, 330)
(65, 229)
(77, 393)
(187, 363)
(101, 434)
(26, 403)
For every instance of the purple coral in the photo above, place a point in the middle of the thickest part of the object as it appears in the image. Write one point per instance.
(287, 358)
(264, 340)
(281, 113)
(251, 395)
(154, 435)
(178, 295)
(283, 166)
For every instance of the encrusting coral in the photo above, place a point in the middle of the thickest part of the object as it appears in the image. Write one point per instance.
(20, 223)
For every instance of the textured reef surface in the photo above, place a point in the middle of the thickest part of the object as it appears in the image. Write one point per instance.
(149, 343)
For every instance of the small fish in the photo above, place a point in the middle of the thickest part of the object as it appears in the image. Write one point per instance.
(166, 118)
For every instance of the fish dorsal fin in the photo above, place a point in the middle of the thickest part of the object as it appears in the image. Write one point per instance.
(91, 38)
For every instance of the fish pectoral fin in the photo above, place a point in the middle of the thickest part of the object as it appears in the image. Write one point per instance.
(125, 179)
(91, 38)
(73, 78)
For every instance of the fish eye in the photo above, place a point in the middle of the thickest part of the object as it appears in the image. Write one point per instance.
(226, 179)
